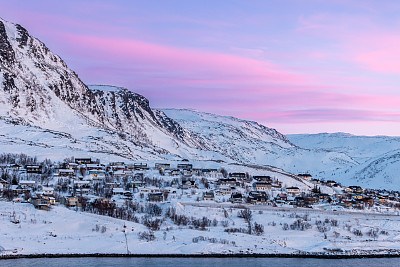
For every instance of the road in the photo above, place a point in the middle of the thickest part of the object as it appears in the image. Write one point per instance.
(285, 209)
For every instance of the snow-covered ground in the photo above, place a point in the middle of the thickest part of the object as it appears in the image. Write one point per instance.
(64, 231)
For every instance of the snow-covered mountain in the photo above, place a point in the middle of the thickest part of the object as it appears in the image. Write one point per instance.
(47, 111)
(377, 157)
(38, 89)
(252, 143)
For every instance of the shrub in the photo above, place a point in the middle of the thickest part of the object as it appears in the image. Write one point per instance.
(357, 232)
(148, 236)
(258, 229)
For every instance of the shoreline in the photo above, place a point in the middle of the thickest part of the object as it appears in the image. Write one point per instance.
(256, 255)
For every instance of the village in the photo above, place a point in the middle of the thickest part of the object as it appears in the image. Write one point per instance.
(78, 182)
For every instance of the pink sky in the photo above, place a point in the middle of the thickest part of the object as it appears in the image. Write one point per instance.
(298, 66)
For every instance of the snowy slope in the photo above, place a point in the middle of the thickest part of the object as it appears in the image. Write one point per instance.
(360, 148)
(378, 157)
(378, 172)
(251, 143)
(66, 231)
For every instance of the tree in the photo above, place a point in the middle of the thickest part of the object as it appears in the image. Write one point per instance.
(246, 214)
(224, 172)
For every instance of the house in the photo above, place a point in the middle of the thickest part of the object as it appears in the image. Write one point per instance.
(33, 169)
(174, 172)
(83, 160)
(66, 172)
(187, 173)
(210, 172)
(155, 197)
(305, 176)
(71, 166)
(368, 200)
(330, 183)
(97, 174)
(266, 179)
(293, 190)
(80, 184)
(197, 171)
(261, 186)
(115, 166)
(149, 190)
(227, 182)
(118, 191)
(324, 196)
(94, 166)
(281, 197)
(225, 189)
(188, 184)
(185, 166)
(300, 201)
(17, 189)
(120, 174)
(12, 167)
(163, 166)
(72, 201)
(41, 203)
(47, 191)
(353, 189)
(208, 195)
(27, 184)
(238, 175)
(309, 200)
(140, 166)
(236, 198)
(257, 197)
(51, 200)
(277, 186)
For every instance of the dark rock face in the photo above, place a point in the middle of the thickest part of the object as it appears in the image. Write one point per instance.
(123, 108)
(7, 55)
(23, 36)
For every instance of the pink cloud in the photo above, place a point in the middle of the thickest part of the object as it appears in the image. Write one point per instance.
(206, 66)
(379, 52)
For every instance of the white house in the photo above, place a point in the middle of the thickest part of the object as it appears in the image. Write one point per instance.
(293, 190)
(49, 191)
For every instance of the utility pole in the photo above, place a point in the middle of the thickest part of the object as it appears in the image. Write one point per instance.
(126, 240)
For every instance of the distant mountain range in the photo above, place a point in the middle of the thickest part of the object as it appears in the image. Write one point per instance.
(47, 111)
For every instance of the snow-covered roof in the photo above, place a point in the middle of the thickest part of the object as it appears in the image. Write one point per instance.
(47, 188)
(118, 189)
(27, 182)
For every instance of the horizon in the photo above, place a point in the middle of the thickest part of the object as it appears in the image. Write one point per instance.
(312, 66)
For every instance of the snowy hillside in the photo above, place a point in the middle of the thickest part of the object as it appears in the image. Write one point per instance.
(65, 231)
(360, 148)
(252, 143)
(378, 157)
